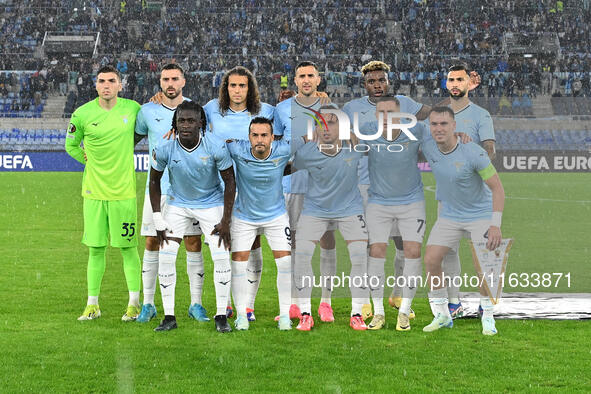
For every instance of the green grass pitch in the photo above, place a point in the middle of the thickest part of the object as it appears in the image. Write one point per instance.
(45, 349)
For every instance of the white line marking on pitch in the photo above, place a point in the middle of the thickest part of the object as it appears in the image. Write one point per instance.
(432, 189)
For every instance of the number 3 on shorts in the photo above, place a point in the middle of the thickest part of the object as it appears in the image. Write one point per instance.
(128, 229)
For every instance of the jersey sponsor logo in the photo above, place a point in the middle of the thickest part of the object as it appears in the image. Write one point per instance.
(12, 162)
(95, 124)
(71, 128)
(176, 161)
(158, 119)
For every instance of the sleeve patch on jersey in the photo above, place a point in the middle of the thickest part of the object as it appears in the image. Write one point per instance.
(154, 155)
(71, 128)
(487, 172)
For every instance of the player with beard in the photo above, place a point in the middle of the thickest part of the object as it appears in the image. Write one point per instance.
(229, 117)
(154, 120)
(477, 123)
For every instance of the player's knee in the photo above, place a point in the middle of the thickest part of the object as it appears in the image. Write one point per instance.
(241, 256)
(152, 244)
(412, 250)
(431, 260)
(378, 250)
(192, 243)
(278, 254)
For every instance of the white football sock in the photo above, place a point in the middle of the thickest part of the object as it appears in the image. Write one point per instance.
(239, 286)
(134, 298)
(92, 300)
(222, 277)
(412, 273)
(304, 275)
(487, 307)
(196, 273)
(149, 274)
(359, 287)
(375, 269)
(398, 272)
(254, 270)
(167, 275)
(438, 300)
(284, 284)
(451, 268)
(328, 269)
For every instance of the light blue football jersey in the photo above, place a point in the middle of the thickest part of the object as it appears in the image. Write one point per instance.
(232, 125)
(259, 182)
(476, 122)
(464, 196)
(155, 120)
(395, 178)
(291, 121)
(332, 190)
(194, 174)
(367, 113)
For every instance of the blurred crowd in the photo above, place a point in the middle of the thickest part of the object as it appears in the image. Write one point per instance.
(418, 38)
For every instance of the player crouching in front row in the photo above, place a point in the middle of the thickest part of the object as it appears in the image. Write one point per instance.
(260, 209)
(472, 200)
(193, 161)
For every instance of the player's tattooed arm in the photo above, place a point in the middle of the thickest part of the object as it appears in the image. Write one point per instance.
(155, 195)
(489, 147)
(222, 229)
(158, 98)
(498, 197)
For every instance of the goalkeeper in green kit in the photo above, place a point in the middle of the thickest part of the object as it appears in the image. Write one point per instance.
(106, 127)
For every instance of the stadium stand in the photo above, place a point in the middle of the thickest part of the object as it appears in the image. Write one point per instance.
(524, 51)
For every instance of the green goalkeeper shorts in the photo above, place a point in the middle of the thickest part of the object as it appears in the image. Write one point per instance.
(117, 219)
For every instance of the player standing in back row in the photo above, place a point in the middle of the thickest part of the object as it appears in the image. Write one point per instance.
(154, 120)
(106, 127)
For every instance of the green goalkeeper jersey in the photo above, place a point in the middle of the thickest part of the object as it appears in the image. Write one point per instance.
(109, 172)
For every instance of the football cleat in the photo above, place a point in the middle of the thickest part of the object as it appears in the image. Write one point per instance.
(131, 313)
(357, 323)
(148, 313)
(241, 323)
(395, 301)
(402, 323)
(284, 323)
(377, 323)
(325, 312)
(229, 312)
(221, 323)
(488, 326)
(438, 322)
(294, 312)
(198, 312)
(366, 312)
(169, 323)
(250, 314)
(456, 310)
(306, 322)
(91, 312)
(411, 314)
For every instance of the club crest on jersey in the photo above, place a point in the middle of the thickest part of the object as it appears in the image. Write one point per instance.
(204, 159)
(125, 119)
(71, 128)
(458, 165)
(348, 161)
(275, 162)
